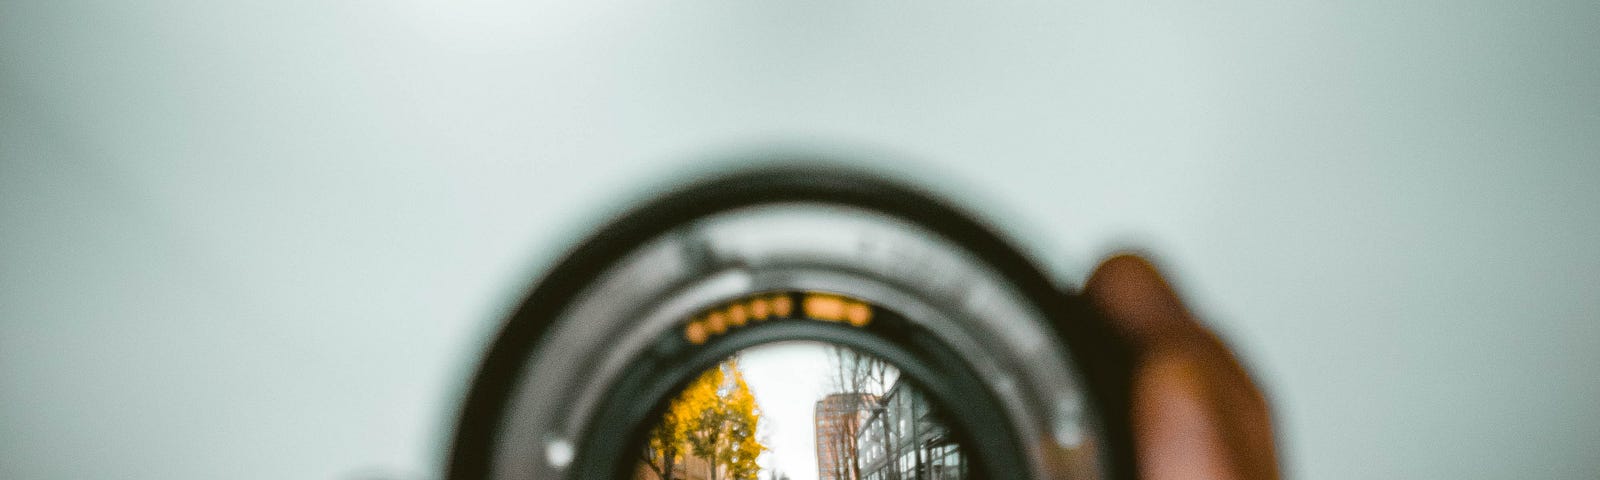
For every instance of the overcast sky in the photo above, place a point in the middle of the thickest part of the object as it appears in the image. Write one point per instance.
(787, 379)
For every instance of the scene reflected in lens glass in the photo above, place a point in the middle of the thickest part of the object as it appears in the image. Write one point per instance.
(800, 411)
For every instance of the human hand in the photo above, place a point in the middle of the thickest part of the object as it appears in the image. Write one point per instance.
(1196, 414)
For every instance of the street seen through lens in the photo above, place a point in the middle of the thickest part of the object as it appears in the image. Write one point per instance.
(800, 411)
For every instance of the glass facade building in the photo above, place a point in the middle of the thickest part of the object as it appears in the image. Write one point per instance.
(904, 439)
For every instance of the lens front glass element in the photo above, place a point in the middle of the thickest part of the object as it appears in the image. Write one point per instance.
(800, 411)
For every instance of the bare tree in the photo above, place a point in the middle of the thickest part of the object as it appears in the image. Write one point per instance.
(863, 379)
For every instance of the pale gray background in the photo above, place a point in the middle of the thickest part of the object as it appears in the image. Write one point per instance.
(267, 239)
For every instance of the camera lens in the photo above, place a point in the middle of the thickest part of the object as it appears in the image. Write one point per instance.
(686, 339)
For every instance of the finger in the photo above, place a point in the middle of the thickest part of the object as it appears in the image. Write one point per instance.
(1137, 300)
(1196, 413)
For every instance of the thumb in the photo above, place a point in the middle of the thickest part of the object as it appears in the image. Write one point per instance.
(1196, 412)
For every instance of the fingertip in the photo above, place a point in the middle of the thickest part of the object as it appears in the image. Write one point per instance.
(1134, 296)
(1122, 269)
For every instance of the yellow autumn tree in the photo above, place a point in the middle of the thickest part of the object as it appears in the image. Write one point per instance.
(715, 418)
(744, 417)
(669, 441)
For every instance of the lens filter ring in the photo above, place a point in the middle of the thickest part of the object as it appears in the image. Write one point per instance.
(591, 350)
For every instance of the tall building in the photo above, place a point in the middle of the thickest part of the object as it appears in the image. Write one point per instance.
(904, 439)
(839, 418)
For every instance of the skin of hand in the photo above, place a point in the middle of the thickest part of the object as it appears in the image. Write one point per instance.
(1196, 413)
